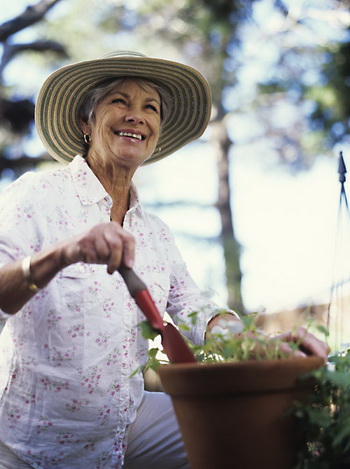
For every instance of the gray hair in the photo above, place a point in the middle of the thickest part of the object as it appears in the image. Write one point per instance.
(95, 95)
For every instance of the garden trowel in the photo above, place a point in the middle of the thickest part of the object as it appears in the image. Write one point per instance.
(173, 343)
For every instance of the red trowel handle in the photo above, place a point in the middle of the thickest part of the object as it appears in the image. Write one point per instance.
(139, 292)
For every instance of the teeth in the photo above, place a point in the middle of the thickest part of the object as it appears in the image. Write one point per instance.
(129, 134)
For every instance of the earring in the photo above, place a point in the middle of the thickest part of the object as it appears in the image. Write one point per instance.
(87, 138)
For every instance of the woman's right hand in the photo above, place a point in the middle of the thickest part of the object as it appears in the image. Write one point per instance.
(106, 243)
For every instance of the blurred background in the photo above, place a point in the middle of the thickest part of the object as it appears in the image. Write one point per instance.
(255, 204)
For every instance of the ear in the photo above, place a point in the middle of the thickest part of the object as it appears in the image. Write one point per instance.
(86, 128)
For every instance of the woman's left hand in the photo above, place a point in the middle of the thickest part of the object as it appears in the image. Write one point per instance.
(308, 343)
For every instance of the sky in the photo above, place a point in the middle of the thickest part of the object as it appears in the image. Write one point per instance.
(286, 223)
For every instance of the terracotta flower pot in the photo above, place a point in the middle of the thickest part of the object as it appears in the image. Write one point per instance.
(233, 415)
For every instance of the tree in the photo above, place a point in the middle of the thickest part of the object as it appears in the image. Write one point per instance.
(17, 114)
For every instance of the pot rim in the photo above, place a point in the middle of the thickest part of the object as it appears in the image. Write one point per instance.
(289, 361)
(237, 377)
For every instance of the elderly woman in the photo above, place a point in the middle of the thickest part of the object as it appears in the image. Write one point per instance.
(71, 340)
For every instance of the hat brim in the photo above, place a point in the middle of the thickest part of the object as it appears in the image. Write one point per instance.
(56, 112)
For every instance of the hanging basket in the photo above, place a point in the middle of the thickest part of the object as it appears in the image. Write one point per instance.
(234, 415)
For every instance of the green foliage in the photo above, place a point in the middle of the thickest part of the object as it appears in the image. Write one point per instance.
(249, 344)
(332, 109)
(154, 359)
(226, 345)
(147, 330)
(324, 421)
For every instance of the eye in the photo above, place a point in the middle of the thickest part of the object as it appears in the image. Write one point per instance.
(118, 100)
(152, 107)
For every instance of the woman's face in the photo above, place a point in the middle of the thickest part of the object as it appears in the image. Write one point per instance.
(127, 122)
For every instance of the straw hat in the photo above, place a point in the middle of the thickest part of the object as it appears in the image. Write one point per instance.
(56, 112)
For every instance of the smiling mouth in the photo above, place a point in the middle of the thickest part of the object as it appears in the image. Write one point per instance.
(131, 135)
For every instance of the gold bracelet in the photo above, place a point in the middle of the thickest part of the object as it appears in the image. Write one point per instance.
(27, 275)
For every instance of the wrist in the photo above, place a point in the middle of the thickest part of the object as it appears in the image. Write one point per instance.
(224, 323)
(26, 269)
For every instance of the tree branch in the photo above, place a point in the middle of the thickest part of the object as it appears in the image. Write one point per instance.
(31, 15)
(11, 50)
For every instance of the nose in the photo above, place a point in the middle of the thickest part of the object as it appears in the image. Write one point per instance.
(135, 116)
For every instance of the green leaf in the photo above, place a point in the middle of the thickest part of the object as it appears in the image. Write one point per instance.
(343, 432)
(152, 352)
(338, 378)
(248, 321)
(147, 330)
(322, 329)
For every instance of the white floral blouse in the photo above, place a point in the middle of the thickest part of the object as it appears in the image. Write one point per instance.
(66, 395)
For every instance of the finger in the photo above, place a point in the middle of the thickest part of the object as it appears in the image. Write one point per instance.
(127, 247)
(128, 250)
(115, 243)
(94, 249)
(311, 344)
(307, 342)
(299, 354)
(287, 350)
(102, 250)
(86, 247)
(116, 253)
(314, 346)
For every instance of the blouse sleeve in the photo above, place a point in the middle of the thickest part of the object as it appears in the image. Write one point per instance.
(18, 230)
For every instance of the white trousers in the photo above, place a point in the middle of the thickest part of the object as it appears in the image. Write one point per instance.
(154, 440)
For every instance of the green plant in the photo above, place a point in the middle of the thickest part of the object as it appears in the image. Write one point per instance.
(324, 420)
(224, 345)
